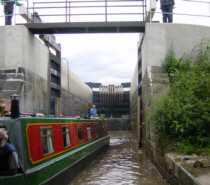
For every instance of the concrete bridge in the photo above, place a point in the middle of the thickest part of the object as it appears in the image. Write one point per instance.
(91, 27)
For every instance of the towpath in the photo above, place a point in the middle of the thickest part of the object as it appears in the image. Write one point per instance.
(122, 164)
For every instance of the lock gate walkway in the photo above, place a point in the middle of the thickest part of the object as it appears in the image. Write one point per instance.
(87, 27)
(89, 16)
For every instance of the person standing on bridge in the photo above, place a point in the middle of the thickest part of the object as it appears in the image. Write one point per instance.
(167, 6)
(8, 10)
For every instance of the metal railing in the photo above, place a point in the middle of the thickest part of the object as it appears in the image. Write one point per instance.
(105, 10)
(194, 18)
(91, 10)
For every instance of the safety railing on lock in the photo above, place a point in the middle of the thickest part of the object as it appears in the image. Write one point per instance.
(91, 10)
(199, 16)
(110, 10)
(86, 10)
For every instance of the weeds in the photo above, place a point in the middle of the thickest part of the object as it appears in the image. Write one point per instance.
(184, 113)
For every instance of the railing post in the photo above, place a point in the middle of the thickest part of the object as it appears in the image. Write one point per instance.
(15, 15)
(27, 11)
(33, 12)
(69, 11)
(150, 9)
(66, 11)
(105, 10)
(144, 10)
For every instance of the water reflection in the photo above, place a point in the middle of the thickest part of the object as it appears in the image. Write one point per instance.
(123, 164)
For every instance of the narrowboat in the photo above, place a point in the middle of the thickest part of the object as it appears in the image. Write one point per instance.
(53, 150)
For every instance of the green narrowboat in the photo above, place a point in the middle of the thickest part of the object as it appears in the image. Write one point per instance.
(53, 150)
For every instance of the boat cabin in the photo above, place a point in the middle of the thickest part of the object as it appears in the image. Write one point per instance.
(49, 145)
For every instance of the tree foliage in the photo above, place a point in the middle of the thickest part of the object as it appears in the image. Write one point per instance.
(183, 115)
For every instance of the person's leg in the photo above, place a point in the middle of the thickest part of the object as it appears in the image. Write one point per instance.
(163, 8)
(8, 18)
(170, 16)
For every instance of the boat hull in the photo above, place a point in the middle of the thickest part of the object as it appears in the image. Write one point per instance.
(62, 166)
(67, 175)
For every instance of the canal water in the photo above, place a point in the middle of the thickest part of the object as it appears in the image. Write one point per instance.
(122, 164)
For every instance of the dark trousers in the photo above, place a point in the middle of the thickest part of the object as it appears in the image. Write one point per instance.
(167, 17)
(8, 17)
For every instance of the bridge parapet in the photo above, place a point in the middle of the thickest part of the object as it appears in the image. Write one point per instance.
(73, 11)
(90, 10)
(97, 16)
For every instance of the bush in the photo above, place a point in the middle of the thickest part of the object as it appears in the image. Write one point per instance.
(183, 114)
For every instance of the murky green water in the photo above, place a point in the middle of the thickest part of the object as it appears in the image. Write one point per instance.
(122, 164)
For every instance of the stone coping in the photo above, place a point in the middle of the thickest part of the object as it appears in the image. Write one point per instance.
(181, 167)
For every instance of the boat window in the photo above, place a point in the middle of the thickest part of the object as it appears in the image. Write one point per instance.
(89, 132)
(47, 140)
(66, 136)
(96, 130)
(80, 133)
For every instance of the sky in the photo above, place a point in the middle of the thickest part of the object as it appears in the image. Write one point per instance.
(111, 58)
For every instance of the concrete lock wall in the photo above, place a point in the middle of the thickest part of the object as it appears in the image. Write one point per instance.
(75, 94)
(24, 68)
(155, 45)
(134, 99)
(158, 38)
(19, 48)
(157, 41)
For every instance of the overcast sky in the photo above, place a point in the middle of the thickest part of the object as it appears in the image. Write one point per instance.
(111, 58)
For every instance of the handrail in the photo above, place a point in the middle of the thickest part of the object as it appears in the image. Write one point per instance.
(185, 14)
(104, 8)
(196, 1)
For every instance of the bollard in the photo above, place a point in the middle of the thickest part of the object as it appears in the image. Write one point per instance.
(15, 106)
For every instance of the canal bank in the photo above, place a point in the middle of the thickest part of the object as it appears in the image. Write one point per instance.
(123, 163)
(181, 169)
(172, 167)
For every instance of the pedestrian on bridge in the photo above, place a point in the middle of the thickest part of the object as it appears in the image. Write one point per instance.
(167, 6)
(8, 10)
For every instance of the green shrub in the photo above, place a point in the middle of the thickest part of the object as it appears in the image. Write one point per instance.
(170, 63)
(184, 113)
